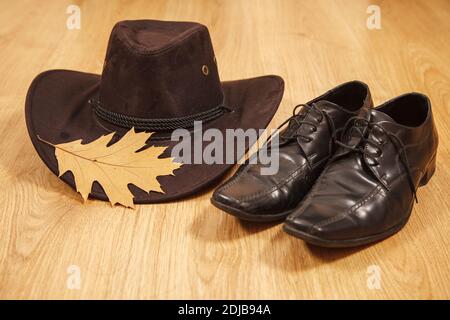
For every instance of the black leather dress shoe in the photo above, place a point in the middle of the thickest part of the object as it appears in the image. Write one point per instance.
(305, 146)
(366, 192)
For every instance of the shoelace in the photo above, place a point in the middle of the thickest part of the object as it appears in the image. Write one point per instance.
(364, 141)
(299, 118)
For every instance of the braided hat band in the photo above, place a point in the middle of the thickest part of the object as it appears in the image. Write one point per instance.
(125, 121)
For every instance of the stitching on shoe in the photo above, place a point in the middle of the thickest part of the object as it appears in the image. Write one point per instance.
(233, 180)
(307, 200)
(350, 211)
(293, 174)
(289, 177)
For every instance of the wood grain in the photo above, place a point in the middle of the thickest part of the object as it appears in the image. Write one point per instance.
(189, 249)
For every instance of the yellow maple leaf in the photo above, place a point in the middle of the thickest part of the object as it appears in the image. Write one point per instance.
(114, 166)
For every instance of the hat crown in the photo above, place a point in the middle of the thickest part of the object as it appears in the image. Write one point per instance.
(160, 69)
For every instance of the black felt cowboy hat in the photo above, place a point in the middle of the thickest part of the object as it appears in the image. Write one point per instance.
(157, 76)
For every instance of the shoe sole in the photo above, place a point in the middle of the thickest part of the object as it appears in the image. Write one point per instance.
(250, 216)
(347, 243)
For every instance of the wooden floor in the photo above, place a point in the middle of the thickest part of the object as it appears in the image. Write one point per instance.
(190, 249)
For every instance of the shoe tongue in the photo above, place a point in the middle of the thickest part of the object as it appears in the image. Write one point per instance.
(307, 114)
(377, 117)
(384, 120)
(325, 104)
(380, 117)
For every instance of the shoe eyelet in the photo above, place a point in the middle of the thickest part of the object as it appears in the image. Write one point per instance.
(377, 153)
(374, 163)
(383, 141)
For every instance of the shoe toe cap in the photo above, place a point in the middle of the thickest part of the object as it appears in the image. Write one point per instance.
(237, 193)
(249, 194)
(314, 225)
(303, 225)
(226, 197)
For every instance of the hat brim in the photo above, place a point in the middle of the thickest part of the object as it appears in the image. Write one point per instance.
(57, 109)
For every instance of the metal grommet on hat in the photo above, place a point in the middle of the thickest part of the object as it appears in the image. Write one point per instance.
(205, 69)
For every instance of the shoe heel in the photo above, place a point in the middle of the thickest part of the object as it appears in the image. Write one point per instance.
(428, 172)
